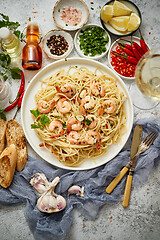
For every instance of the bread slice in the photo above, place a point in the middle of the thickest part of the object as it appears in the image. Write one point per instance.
(15, 135)
(8, 159)
(2, 135)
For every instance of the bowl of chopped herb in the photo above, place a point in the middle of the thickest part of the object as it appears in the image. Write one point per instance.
(92, 41)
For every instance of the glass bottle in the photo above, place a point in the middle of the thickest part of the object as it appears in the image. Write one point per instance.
(4, 92)
(10, 44)
(32, 52)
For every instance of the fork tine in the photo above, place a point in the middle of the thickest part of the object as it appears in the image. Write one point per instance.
(150, 138)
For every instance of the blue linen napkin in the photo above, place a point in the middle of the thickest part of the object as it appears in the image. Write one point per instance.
(56, 225)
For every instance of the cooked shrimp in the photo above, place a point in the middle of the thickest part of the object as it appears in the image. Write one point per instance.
(86, 103)
(45, 107)
(74, 124)
(97, 89)
(68, 90)
(83, 94)
(57, 127)
(108, 106)
(93, 137)
(63, 106)
(73, 138)
(90, 121)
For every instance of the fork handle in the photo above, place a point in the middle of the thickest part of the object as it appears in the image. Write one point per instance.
(116, 180)
(127, 191)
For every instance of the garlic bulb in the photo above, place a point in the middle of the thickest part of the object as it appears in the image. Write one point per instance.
(50, 202)
(76, 190)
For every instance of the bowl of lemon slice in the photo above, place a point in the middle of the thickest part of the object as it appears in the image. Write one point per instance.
(120, 17)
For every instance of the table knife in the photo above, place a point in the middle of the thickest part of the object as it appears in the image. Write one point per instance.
(136, 139)
(137, 136)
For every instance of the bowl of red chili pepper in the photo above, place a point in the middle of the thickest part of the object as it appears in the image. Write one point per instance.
(124, 55)
(57, 44)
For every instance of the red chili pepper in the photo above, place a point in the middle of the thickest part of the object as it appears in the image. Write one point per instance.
(21, 88)
(127, 51)
(19, 103)
(142, 43)
(139, 48)
(10, 107)
(126, 46)
(130, 59)
(135, 51)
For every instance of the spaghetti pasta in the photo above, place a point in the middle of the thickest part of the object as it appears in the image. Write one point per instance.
(85, 114)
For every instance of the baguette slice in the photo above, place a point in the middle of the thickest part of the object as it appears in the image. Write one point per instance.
(15, 135)
(8, 160)
(2, 135)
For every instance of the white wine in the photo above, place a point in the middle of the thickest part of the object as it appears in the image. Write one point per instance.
(148, 74)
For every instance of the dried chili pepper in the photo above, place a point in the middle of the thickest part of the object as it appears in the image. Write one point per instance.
(10, 107)
(19, 103)
(130, 59)
(126, 50)
(142, 43)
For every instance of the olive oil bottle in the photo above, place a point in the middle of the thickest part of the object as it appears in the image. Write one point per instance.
(9, 43)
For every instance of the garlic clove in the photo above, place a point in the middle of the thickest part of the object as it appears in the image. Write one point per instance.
(76, 190)
(55, 181)
(40, 183)
(61, 203)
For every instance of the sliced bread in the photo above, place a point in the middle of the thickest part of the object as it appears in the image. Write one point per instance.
(15, 135)
(8, 159)
(2, 135)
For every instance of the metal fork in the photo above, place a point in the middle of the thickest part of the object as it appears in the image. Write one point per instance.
(146, 143)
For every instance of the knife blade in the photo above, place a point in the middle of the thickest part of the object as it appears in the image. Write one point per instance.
(136, 139)
(137, 136)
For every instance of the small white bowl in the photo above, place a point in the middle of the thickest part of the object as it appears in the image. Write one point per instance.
(113, 48)
(57, 32)
(77, 44)
(78, 4)
(129, 4)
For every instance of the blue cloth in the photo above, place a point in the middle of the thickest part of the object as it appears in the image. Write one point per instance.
(55, 226)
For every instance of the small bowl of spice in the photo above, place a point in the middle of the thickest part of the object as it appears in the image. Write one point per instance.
(70, 15)
(57, 44)
(92, 41)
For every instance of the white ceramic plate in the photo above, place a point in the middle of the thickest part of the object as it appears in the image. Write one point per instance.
(77, 43)
(78, 4)
(28, 103)
(113, 48)
(129, 4)
(57, 32)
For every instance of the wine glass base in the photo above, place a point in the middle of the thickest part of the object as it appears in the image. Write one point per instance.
(139, 100)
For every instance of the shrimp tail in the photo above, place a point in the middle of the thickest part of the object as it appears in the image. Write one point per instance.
(101, 111)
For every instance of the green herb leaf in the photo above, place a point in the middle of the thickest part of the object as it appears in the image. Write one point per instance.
(35, 112)
(44, 119)
(87, 121)
(15, 73)
(33, 126)
(64, 125)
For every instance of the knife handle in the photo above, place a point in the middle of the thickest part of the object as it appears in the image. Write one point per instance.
(127, 191)
(116, 180)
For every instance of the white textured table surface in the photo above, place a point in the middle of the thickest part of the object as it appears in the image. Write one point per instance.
(141, 220)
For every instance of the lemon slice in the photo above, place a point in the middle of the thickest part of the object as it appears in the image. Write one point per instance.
(134, 22)
(107, 13)
(120, 9)
(120, 23)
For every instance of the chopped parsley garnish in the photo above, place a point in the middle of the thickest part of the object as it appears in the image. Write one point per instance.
(87, 121)
(35, 112)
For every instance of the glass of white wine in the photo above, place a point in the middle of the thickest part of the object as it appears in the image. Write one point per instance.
(146, 91)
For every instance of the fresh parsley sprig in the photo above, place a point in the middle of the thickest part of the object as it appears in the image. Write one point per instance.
(43, 120)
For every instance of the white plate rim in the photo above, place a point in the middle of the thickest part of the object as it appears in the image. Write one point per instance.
(25, 114)
(76, 44)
